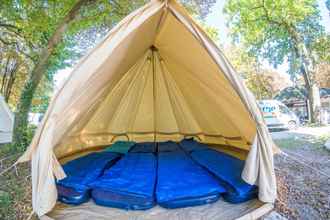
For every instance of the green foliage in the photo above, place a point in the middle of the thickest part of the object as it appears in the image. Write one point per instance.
(42, 96)
(270, 29)
(321, 48)
(262, 83)
(5, 202)
(198, 8)
(33, 22)
(26, 135)
(212, 32)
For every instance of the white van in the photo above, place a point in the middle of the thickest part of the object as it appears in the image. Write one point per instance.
(277, 115)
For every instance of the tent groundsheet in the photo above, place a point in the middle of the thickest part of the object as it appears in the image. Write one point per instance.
(228, 169)
(129, 184)
(144, 147)
(220, 210)
(80, 172)
(120, 147)
(168, 146)
(181, 182)
(190, 145)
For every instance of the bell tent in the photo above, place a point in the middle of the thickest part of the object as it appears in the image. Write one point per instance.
(6, 122)
(156, 76)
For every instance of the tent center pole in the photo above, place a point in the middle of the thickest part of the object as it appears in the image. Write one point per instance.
(153, 51)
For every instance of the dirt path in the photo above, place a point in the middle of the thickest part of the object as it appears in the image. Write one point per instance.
(304, 171)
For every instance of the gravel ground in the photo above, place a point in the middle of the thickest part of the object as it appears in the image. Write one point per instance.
(303, 174)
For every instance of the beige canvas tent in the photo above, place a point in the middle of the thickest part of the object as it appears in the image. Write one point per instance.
(155, 76)
(6, 122)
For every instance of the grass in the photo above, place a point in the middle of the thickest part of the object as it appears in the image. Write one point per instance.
(15, 190)
(317, 142)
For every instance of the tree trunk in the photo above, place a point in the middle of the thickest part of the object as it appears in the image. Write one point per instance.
(313, 93)
(20, 138)
(307, 71)
(314, 97)
(314, 106)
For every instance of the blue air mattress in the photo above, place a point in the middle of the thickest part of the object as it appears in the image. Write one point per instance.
(168, 146)
(181, 182)
(80, 172)
(144, 147)
(120, 147)
(129, 184)
(190, 145)
(228, 169)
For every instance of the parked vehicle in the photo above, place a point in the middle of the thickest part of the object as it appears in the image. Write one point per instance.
(277, 115)
(35, 118)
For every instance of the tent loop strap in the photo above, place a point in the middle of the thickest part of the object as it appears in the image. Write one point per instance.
(119, 135)
(187, 135)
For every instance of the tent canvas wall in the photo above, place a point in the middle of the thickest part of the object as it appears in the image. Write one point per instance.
(156, 76)
(6, 122)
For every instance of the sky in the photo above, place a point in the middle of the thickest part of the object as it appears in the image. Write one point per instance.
(216, 19)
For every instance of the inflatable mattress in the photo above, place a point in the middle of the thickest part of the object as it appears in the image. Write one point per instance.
(129, 184)
(181, 182)
(80, 173)
(190, 145)
(144, 147)
(168, 146)
(120, 147)
(228, 169)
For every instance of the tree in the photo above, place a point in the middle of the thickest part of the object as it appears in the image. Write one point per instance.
(279, 30)
(263, 83)
(39, 69)
(327, 4)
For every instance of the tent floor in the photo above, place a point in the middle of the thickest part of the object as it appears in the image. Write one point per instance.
(220, 210)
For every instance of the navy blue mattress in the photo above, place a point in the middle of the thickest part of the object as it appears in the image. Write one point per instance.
(144, 147)
(190, 145)
(129, 184)
(181, 182)
(228, 169)
(168, 146)
(80, 172)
